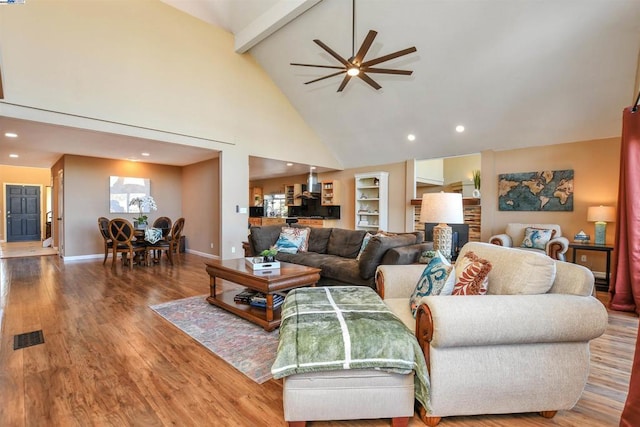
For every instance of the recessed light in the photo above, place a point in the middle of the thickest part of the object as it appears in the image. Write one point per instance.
(459, 128)
(11, 135)
(145, 154)
(411, 137)
(289, 164)
(13, 156)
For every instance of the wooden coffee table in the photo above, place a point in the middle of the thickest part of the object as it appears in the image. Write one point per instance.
(289, 276)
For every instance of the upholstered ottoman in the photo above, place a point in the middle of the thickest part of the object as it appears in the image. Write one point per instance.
(343, 355)
(348, 395)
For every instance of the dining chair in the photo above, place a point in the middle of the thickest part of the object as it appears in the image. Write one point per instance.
(169, 244)
(121, 232)
(163, 223)
(103, 226)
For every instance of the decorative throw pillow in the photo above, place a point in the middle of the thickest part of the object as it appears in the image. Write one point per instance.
(436, 279)
(292, 240)
(152, 235)
(365, 242)
(472, 275)
(537, 238)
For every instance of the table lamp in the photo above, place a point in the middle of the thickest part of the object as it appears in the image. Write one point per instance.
(601, 215)
(442, 208)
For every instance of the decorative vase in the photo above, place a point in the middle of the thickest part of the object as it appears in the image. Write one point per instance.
(269, 258)
(476, 193)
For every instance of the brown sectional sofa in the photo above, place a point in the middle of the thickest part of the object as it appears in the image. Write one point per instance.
(335, 252)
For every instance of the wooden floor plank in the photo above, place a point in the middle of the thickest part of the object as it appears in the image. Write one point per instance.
(108, 359)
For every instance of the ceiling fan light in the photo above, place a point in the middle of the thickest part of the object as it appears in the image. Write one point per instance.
(353, 71)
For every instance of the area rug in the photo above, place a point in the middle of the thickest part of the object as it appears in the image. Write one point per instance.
(244, 345)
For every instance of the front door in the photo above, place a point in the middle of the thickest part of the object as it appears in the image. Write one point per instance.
(23, 213)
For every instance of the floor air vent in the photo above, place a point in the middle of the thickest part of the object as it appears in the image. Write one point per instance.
(27, 339)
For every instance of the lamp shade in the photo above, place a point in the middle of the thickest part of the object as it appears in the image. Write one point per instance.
(601, 214)
(442, 208)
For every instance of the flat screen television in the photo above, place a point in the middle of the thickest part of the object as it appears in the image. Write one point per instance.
(460, 236)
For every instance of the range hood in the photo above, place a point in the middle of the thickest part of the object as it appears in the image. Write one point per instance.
(313, 186)
(311, 190)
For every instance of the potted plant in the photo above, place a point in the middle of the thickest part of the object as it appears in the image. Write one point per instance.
(269, 255)
(476, 183)
(144, 204)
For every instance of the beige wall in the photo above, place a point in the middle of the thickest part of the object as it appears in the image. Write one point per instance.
(201, 205)
(27, 176)
(459, 169)
(151, 65)
(152, 71)
(596, 166)
(86, 197)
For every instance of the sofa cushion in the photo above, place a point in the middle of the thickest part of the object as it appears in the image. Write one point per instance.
(318, 238)
(515, 271)
(345, 243)
(436, 279)
(292, 240)
(263, 237)
(365, 242)
(472, 275)
(377, 247)
(536, 238)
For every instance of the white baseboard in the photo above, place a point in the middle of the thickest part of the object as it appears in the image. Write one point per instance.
(83, 257)
(202, 254)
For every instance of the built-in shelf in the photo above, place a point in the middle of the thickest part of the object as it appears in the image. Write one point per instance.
(371, 197)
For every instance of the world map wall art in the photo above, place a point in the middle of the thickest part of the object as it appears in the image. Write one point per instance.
(536, 191)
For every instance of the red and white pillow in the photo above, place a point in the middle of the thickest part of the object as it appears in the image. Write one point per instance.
(472, 275)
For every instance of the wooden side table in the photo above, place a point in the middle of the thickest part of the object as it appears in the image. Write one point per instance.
(601, 284)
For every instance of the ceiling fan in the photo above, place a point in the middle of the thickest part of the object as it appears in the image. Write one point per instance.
(355, 66)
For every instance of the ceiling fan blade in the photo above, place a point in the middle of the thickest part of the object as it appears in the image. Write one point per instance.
(388, 71)
(366, 44)
(319, 66)
(346, 79)
(390, 56)
(326, 77)
(332, 53)
(369, 80)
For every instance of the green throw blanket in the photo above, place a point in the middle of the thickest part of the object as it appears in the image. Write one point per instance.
(346, 327)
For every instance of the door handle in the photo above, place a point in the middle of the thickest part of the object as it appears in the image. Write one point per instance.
(59, 219)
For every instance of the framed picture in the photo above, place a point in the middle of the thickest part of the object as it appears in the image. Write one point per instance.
(536, 191)
(122, 189)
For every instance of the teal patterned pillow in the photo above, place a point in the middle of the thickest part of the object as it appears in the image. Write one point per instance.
(292, 240)
(436, 279)
(536, 238)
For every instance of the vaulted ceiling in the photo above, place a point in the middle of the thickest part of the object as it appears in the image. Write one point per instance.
(513, 73)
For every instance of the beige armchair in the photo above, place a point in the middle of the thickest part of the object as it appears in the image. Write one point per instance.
(514, 234)
(523, 347)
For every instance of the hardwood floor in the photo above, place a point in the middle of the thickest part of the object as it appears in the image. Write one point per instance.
(110, 360)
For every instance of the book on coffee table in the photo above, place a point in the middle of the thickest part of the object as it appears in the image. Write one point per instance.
(245, 296)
